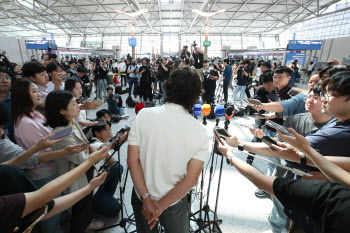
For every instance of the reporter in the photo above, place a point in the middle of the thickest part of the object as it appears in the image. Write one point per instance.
(75, 87)
(23, 204)
(326, 203)
(61, 109)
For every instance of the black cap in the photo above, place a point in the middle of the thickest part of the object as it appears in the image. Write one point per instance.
(205, 61)
(81, 69)
(267, 65)
(71, 62)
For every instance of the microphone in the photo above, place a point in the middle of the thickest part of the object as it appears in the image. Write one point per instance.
(229, 112)
(197, 110)
(205, 111)
(219, 111)
(138, 107)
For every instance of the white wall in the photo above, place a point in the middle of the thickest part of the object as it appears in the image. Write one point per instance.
(334, 48)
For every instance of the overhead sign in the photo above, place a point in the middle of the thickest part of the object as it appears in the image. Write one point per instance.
(40, 44)
(132, 42)
(65, 52)
(305, 44)
(291, 57)
(206, 43)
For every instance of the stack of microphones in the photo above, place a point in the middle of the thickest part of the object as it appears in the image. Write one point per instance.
(219, 111)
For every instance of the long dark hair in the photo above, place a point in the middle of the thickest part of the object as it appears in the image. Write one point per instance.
(55, 101)
(70, 84)
(21, 101)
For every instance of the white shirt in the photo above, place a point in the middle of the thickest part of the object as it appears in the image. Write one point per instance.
(310, 67)
(122, 67)
(258, 73)
(168, 138)
(51, 86)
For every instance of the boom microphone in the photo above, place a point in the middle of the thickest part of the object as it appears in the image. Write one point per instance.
(205, 111)
(197, 110)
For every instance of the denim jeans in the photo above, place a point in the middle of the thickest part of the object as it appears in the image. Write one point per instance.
(133, 82)
(241, 90)
(175, 219)
(103, 201)
(101, 88)
(164, 94)
(271, 167)
(52, 224)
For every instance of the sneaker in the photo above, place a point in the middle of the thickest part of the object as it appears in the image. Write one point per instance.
(124, 116)
(261, 193)
(95, 225)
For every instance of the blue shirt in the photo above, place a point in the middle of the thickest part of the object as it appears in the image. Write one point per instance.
(227, 73)
(9, 125)
(292, 106)
(332, 139)
(113, 105)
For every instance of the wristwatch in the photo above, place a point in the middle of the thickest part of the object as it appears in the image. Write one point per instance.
(303, 160)
(240, 147)
(229, 158)
(144, 196)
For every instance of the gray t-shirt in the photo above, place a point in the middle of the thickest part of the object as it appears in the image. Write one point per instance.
(9, 150)
(303, 124)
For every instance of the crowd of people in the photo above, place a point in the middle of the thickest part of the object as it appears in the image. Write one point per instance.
(54, 176)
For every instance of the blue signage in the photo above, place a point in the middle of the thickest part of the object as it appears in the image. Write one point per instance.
(40, 44)
(132, 42)
(291, 56)
(305, 44)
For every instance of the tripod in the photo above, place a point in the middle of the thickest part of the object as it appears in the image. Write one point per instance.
(123, 220)
(219, 93)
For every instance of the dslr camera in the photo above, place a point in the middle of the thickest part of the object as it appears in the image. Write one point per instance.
(194, 43)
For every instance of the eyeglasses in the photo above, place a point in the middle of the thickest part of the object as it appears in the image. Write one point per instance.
(325, 95)
(313, 98)
(6, 77)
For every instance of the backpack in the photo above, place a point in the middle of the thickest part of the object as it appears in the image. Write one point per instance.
(239, 112)
(130, 102)
(118, 90)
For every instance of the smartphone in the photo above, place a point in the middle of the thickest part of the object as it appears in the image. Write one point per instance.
(268, 141)
(98, 102)
(281, 128)
(62, 133)
(111, 141)
(222, 132)
(82, 100)
(86, 143)
(64, 76)
(293, 92)
(217, 136)
(101, 123)
(251, 102)
(248, 127)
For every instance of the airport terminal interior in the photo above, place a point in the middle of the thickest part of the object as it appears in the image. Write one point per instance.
(175, 116)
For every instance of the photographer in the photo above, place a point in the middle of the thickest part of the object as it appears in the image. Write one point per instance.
(100, 72)
(84, 79)
(132, 81)
(185, 55)
(146, 81)
(242, 78)
(164, 71)
(198, 57)
(209, 83)
(113, 102)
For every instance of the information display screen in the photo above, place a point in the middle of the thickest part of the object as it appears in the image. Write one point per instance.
(40, 44)
(305, 44)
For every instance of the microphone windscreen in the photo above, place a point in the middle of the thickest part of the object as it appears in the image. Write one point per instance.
(219, 111)
(229, 110)
(206, 109)
(138, 107)
(197, 110)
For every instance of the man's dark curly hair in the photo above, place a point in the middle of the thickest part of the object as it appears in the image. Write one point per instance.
(183, 88)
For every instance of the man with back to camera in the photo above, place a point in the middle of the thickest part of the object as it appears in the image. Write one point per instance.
(198, 56)
(209, 82)
(163, 173)
(185, 55)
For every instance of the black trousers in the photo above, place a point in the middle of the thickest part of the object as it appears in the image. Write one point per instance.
(123, 79)
(82, 214)
(209, 92)
(226, 91)
(146, 89)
